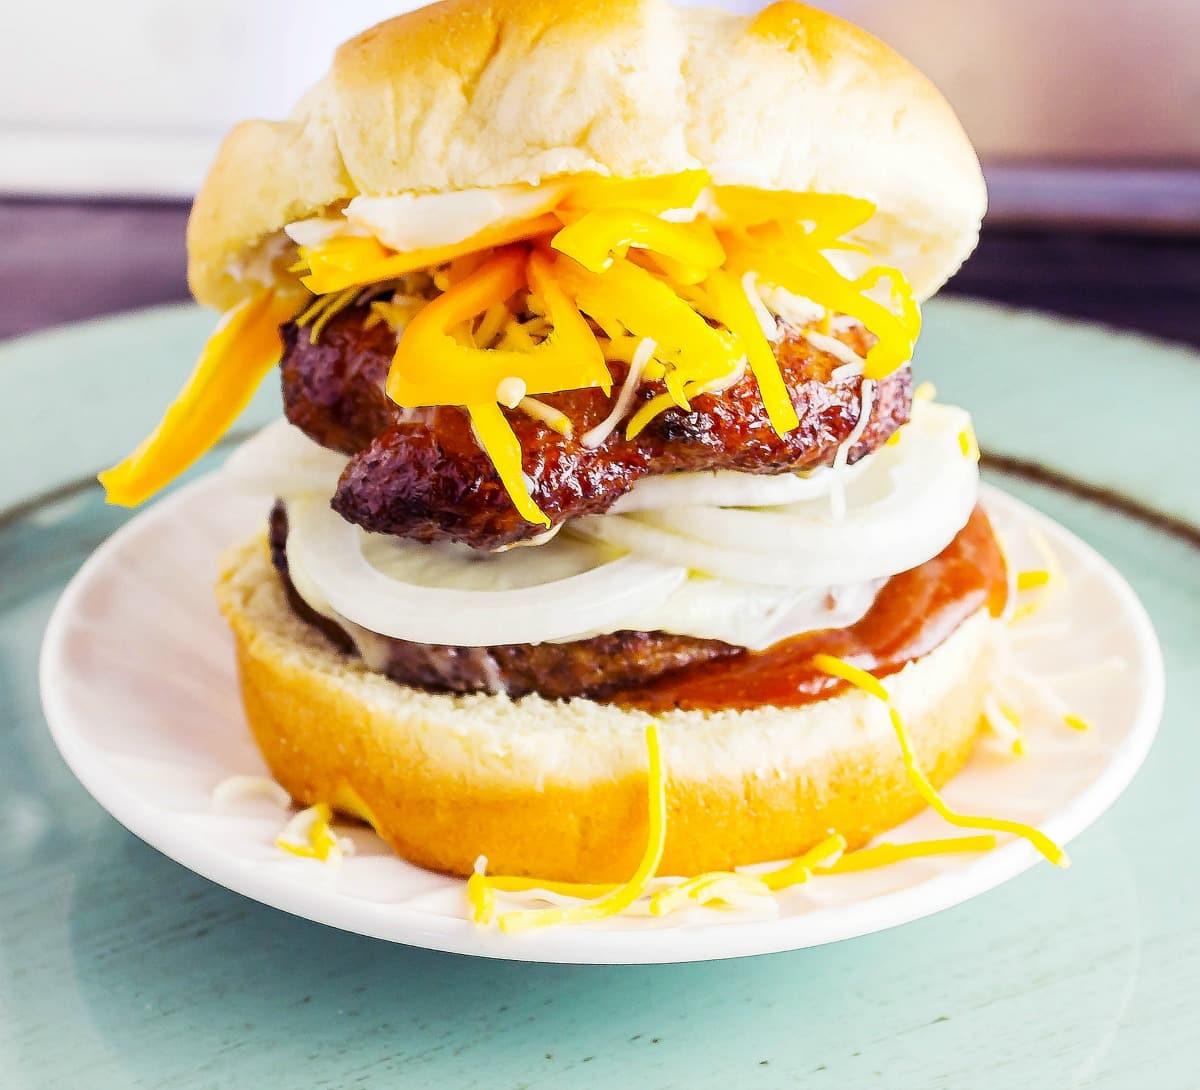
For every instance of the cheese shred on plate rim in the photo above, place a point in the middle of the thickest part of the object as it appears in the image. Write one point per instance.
(731, 888)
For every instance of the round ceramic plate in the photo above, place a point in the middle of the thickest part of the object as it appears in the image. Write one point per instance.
(140, 692)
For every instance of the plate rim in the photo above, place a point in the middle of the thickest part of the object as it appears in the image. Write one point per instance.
(319, 903)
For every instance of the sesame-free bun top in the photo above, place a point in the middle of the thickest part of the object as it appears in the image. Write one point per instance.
(477, 93)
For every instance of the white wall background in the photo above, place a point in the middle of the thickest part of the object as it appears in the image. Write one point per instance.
(129, 97)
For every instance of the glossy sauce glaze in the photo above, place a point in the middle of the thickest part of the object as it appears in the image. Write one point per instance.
(914, 613)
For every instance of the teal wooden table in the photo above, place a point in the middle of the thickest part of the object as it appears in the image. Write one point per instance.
(119, 969)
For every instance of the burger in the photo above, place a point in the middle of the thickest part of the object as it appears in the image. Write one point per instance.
(594, 326)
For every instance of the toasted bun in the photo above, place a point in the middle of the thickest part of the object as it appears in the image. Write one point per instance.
(469, 93)
(558, 789)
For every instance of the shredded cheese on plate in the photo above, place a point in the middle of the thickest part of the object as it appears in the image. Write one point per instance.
(861, 679)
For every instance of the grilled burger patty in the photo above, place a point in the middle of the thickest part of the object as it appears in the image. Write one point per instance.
(594, 667)
(423, 476)
(913, 614)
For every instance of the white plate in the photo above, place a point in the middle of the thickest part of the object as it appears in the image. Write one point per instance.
(140, 692)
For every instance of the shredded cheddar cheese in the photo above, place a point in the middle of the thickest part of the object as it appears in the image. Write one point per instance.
(396, 312)
(968, 444)
(324, 310)
(662, 402)
(490, 325)
(548, 415)
(639, 420)
(1049, 579)
(785, 255)
(744, 887)
(310, 836)
(882, 855)
(861, 679)
(800, 870)
(584, 890)
(604, 900)
(732, 305)
(347, 799)
(705, 889)
(1005, 723)
(432, 367)
(620, 898)
(642, 355)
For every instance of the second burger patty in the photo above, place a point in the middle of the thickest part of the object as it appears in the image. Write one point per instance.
(595, 667)
(423, 476)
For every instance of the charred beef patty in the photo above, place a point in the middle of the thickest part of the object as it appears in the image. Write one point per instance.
(594, 667)
(423, 476)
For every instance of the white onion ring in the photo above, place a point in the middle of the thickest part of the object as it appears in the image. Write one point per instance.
(328, 550)
(727, 488)
(908, 504)
(751, 616)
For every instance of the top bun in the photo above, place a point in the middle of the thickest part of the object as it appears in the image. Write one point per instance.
(469, 93)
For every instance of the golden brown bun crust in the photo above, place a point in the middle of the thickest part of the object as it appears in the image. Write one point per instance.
(558, 790)
(468, 93)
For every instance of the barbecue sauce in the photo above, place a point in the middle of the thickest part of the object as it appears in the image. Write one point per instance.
(913, 614)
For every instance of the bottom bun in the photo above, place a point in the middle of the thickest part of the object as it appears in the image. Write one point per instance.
(557, 789)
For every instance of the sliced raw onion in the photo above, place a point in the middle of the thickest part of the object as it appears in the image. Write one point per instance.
(329, 553)
(903, 509)
(752, 616)
(282, 461)
(726, 488)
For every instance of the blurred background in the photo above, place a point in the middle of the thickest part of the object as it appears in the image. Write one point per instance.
(1086, 114)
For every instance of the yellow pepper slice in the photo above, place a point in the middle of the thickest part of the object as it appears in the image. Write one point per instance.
(504, 449)
(647, 307)
(779, 258)
(902, 295)
(238, 354)
(640, 419)
(351, 261)
(596, 239)
(655, 194)
(432, 367)
(732, 309)
(831, 214)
